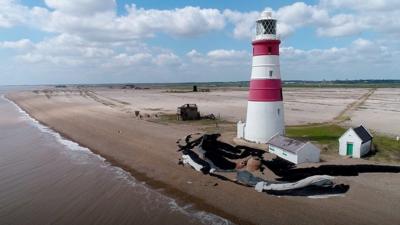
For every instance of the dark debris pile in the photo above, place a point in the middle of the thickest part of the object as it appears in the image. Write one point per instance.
(206, 154)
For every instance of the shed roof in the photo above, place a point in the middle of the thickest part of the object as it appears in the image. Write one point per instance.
(288, 144)
(363, 133)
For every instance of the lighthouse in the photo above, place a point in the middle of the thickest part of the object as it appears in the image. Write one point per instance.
(265, 117)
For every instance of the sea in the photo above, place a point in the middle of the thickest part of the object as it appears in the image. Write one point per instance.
(46, 179)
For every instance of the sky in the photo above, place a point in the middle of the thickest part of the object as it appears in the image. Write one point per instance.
(149, 41)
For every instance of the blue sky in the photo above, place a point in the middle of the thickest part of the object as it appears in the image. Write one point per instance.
(107, 41)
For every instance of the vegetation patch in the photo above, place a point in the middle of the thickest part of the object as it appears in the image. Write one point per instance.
(206, 125)
(179, 91)
(386, 149)
(172, 118)
(324, 135)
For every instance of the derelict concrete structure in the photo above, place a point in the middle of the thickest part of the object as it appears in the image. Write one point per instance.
(265, 116)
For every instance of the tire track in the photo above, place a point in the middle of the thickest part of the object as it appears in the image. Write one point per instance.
(345, 114)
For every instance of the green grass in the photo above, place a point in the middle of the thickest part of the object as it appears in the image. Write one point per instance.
(205, 125)
(179, 90)
(172, 118)
(386, 149)
(326, 136)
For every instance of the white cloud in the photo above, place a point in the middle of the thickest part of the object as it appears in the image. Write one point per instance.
(124, 59)
(65, 49)
(341, 25)
(298, 15)
(81, 7)
(193, 53)
(363, 15)
(289, 17)
(12, 13)
(243, 22)
(220, 57)
(94, 20)
(327, 18)
(219, 54)
(362, 43)
(97, 19)
(57, 60)
(362, 58)
(169, 59)
(21, 44)
(187, 21)
(89, 34)
(362, 5)
(74, 51)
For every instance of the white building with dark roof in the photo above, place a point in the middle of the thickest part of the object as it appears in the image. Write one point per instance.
(355, 142)
(293, 150)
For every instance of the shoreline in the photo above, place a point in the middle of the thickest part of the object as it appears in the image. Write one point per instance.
(159, 186)
(147, 151)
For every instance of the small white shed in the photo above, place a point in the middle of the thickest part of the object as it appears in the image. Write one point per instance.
(293, 150)
(355, 142)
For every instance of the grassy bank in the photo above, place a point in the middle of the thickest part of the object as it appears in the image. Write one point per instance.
(386, 149)
(326, 136)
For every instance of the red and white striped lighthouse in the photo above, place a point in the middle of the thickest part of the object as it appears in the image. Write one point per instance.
(265, 117)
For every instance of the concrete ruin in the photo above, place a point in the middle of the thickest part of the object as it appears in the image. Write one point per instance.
(188, 112)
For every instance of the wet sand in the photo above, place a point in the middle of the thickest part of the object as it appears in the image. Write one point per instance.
(148, 151)
(45, 179)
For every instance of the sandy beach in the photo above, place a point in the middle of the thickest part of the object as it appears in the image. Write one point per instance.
(103, 120)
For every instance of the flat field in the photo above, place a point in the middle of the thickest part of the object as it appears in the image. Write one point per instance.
(380, 111)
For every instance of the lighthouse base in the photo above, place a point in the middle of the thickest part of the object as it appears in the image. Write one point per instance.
(264, 120)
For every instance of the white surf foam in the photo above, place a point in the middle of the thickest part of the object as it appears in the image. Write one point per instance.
(203, 217)
(69, 144)
(189, 210)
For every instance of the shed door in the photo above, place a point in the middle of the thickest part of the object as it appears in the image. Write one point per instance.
(349, 149)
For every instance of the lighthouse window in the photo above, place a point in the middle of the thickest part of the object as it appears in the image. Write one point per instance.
(279, 112)
(270, 73)
(266, 26)
(269, 49)
(269, 26)
(260, 28)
